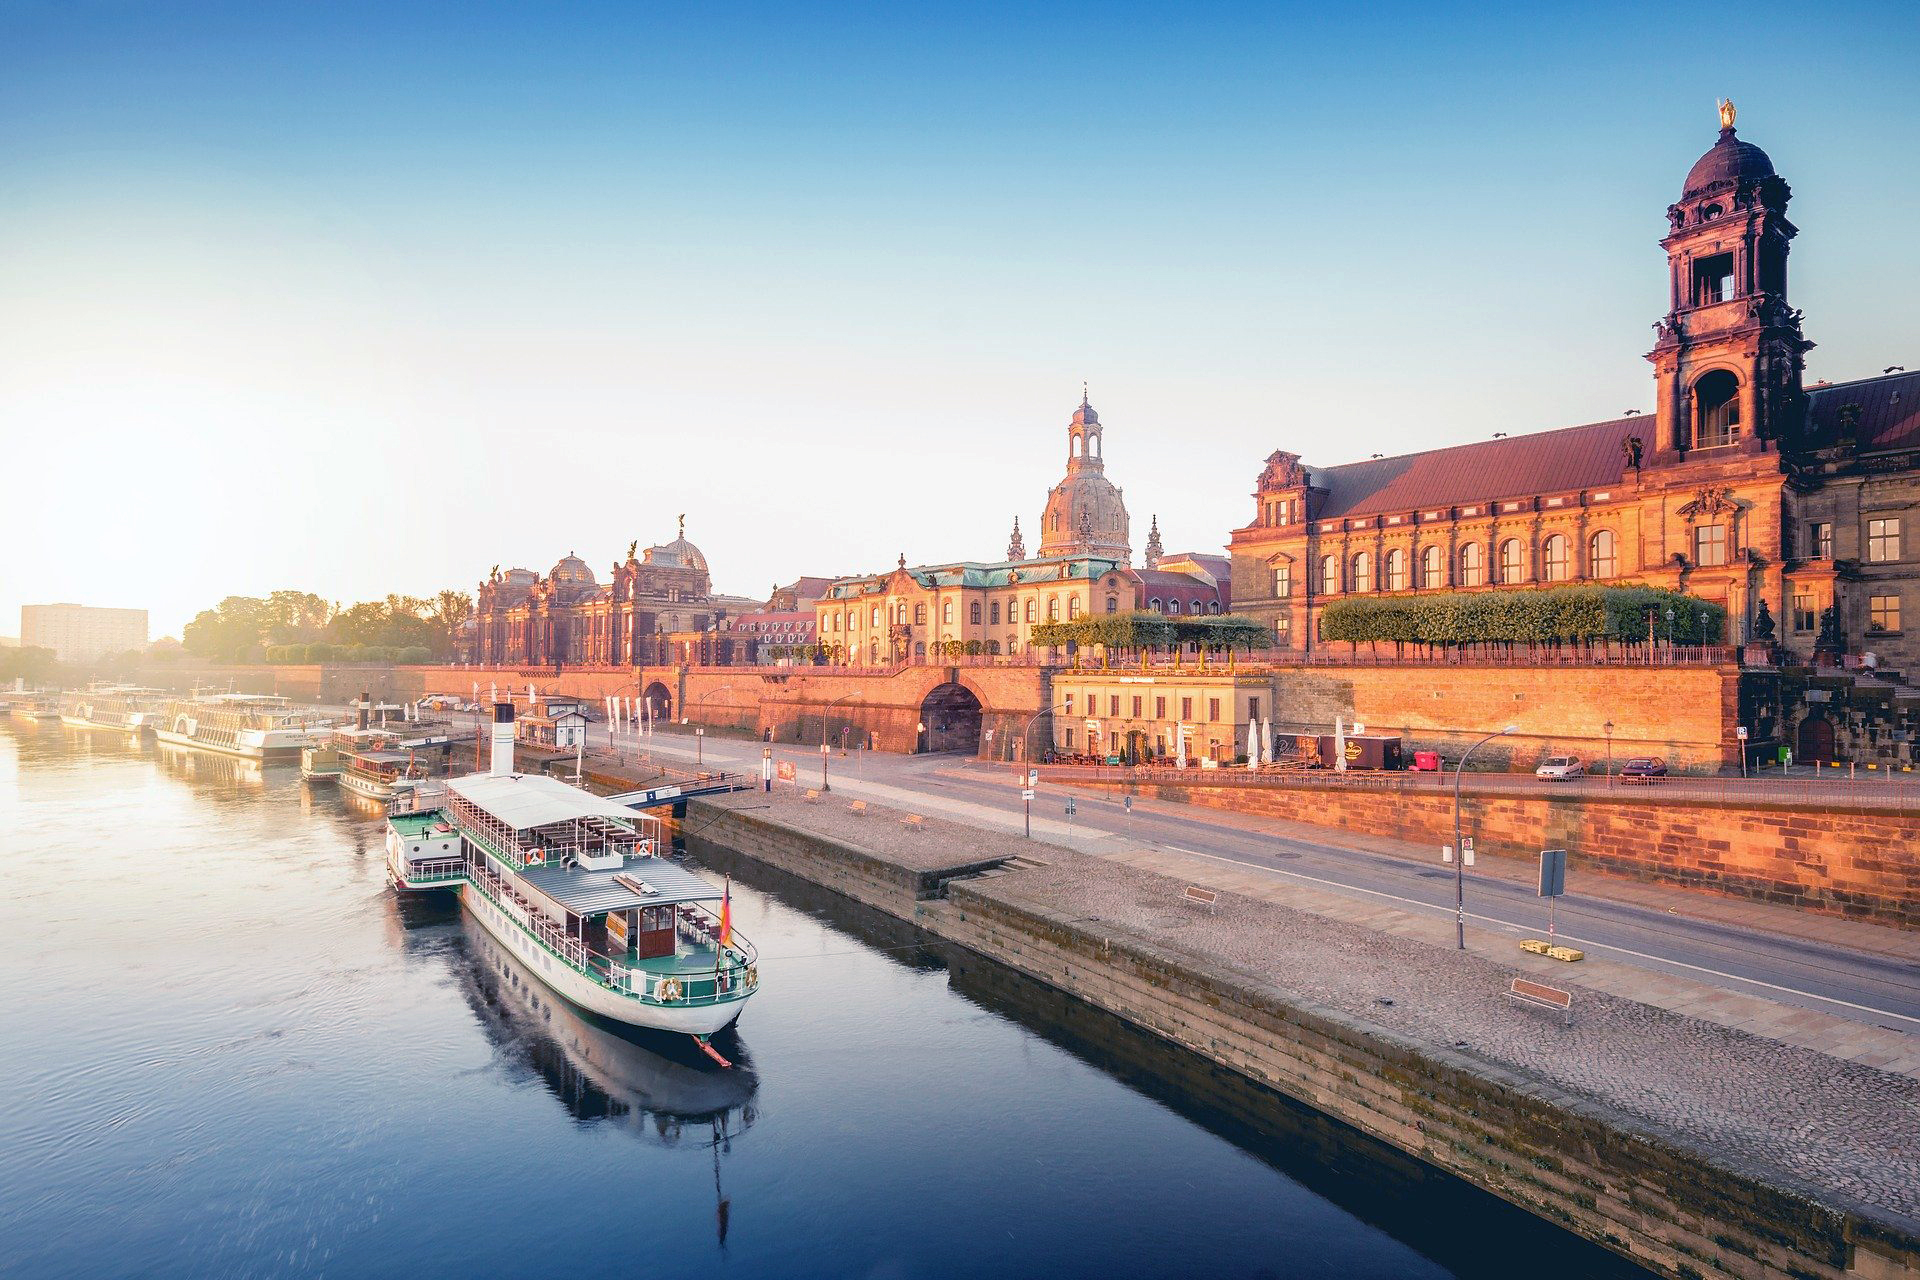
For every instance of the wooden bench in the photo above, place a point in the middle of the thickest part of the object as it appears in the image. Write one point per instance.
(1200, 897)
(1542, 996)
(915, 821)
(858, 808)
(811, 796)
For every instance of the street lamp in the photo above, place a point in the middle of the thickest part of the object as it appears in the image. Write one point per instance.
(1608, 730)
(1459, 853)
(1027, 762)
(823, 736)
(700, 731)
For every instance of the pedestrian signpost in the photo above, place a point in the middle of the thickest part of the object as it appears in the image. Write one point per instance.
(1026, 797)
(1553, 881)
(1070, 810)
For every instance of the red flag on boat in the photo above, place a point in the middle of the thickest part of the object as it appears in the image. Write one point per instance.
(726, 914)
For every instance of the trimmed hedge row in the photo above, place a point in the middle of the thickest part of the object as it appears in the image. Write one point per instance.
(1524, 616)
(1144, 629)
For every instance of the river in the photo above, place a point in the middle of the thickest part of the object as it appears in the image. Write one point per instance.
(231, 1052)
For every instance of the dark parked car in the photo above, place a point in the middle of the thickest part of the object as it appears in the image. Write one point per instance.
(1643, 769)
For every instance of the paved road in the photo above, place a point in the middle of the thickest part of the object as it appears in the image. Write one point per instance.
(1867, 988)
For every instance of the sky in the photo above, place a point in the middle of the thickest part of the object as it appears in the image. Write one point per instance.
(368, 298)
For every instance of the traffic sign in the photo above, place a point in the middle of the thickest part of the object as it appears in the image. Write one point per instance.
(1026, 793)
(1553, 872)
(1033, 777)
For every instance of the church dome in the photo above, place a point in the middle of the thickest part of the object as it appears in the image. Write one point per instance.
(1728, 160)
(1084, 416)
(678, 552)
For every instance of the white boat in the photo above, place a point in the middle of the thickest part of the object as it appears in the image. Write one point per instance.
(257, 726)
(118, 708)
(575, 886)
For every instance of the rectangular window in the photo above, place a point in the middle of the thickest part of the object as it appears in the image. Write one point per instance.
(1883, 540)
(1069, 739)
(1803, 611)
(1710, 544)
(1712, 279)
(1213, 708)
(1186, 708)
(1159, 708)
(1113, 704)
(1136, 706)
(1883, 614)
(1283, 631)
(1821, 532)
(1069, 704)
(1283, 582)
(993, 613)
(1253, 708)
(1033, 608)
(973, 613)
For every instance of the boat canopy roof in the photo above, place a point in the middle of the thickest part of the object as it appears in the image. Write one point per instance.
(382, 757)
(521, 801)
(588, 893)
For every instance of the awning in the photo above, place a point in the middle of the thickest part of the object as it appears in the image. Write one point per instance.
(520, 801)
(589, 893)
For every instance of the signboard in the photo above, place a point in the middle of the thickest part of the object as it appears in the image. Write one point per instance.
(1553, 872)
(1741, 733)
(1026, 793)
(617, 932)
(787, 771)
(1070, 806)
(1033, 777)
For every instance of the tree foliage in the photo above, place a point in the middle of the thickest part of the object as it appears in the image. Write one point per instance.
(1550, 615)
(1144, 629)
(300, 627)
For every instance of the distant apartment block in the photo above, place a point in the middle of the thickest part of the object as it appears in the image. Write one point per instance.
(80, 633)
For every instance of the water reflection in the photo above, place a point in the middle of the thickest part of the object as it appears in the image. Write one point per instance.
(210, 768)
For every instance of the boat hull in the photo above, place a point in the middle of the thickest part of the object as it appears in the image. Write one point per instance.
(564, 980)
(371, 788)
(255, 749)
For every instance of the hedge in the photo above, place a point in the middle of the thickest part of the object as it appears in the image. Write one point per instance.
(1523, 616)
(1142, 629)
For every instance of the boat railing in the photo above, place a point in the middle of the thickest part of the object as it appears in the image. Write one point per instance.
(435, 870)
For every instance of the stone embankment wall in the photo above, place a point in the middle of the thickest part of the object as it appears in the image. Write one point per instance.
(1602, 1173)
(1864, 865)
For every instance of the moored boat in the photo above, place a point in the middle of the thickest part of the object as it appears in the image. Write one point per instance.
(25, 704)
(119, 708)
(257, 726)
(577, 887)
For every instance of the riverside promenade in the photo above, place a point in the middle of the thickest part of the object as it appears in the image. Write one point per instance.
(1688, 1144)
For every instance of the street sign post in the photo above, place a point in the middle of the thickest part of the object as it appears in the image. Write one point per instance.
(1553, 880)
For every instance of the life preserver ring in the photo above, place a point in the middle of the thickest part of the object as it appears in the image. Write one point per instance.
(667, 990)
(536, 857)
(753, 976)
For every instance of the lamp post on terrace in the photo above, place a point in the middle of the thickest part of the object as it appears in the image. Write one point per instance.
(1607, 729)
(823, 736)
(1459, 853)
(700, 731)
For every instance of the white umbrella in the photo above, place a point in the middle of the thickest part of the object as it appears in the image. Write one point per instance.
(1339, 744)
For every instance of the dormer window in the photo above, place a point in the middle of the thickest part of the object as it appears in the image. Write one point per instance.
(1712, 279)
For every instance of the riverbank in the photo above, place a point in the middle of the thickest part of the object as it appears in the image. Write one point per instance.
(1686, 1145)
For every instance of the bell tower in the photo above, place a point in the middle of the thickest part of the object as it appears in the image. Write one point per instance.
(1729, 355)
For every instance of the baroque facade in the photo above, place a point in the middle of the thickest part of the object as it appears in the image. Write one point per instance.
(1787, 504)
(569, 618)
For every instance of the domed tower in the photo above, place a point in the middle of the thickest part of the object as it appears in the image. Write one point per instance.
(1085, 515)
(571, 579)
(1729, 355)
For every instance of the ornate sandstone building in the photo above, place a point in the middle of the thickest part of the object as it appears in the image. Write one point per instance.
(1790, 505)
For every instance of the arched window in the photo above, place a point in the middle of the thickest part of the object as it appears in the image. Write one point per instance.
(876, 615)
(1716, 409)
(1430, 572)
(1600, 560)
(1073, 606)
(1053, 608)
(1396, 567)
(1513, 562)
(1363, 572)
(973, 613)
(1113, 604)
(1154, 604)
(1056, 522)
(1032, 606)
(1554, 559)
(1329, 575)
(1472, 569)
(946, 611)
(1214, 607)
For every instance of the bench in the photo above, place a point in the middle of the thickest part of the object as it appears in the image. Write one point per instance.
(1542, 996)
(811, 796)
(858, 808)
(1201, 897)
(915, 821)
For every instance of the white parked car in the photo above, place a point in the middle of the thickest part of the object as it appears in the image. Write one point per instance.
(1561, 767)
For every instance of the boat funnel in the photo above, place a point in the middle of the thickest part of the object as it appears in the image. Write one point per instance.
(360, 715)
(501, 761)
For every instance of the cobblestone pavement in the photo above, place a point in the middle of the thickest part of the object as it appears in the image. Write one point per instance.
(1791, 1115)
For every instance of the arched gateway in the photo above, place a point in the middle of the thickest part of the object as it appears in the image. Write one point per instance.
(950, 720)
(659, 701)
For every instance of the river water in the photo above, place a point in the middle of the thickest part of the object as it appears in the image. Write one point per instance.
(230, 1052)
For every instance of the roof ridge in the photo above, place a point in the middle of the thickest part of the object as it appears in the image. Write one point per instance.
(1871, 377)
(1470, 444)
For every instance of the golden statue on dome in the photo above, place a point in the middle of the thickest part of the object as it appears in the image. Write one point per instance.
(1726, 113)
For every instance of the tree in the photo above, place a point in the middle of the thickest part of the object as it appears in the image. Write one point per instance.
(450, 611)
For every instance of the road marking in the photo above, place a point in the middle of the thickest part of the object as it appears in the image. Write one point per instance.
(1588, 942)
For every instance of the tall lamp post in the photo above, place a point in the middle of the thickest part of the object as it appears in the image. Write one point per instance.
(700, 731)
(1027, 762)
(823, 736)
(1607, 729)
(1459, 853)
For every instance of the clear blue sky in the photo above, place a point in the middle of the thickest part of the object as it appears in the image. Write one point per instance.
(290, 295)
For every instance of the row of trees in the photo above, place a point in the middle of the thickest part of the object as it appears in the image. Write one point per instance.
(298, 626)
(1146, 630)
(1551, 615)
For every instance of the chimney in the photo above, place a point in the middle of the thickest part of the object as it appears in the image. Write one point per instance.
(360, 717)
(501, 761)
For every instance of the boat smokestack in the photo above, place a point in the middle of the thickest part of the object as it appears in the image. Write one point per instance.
(360, 715)
(501, 761)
